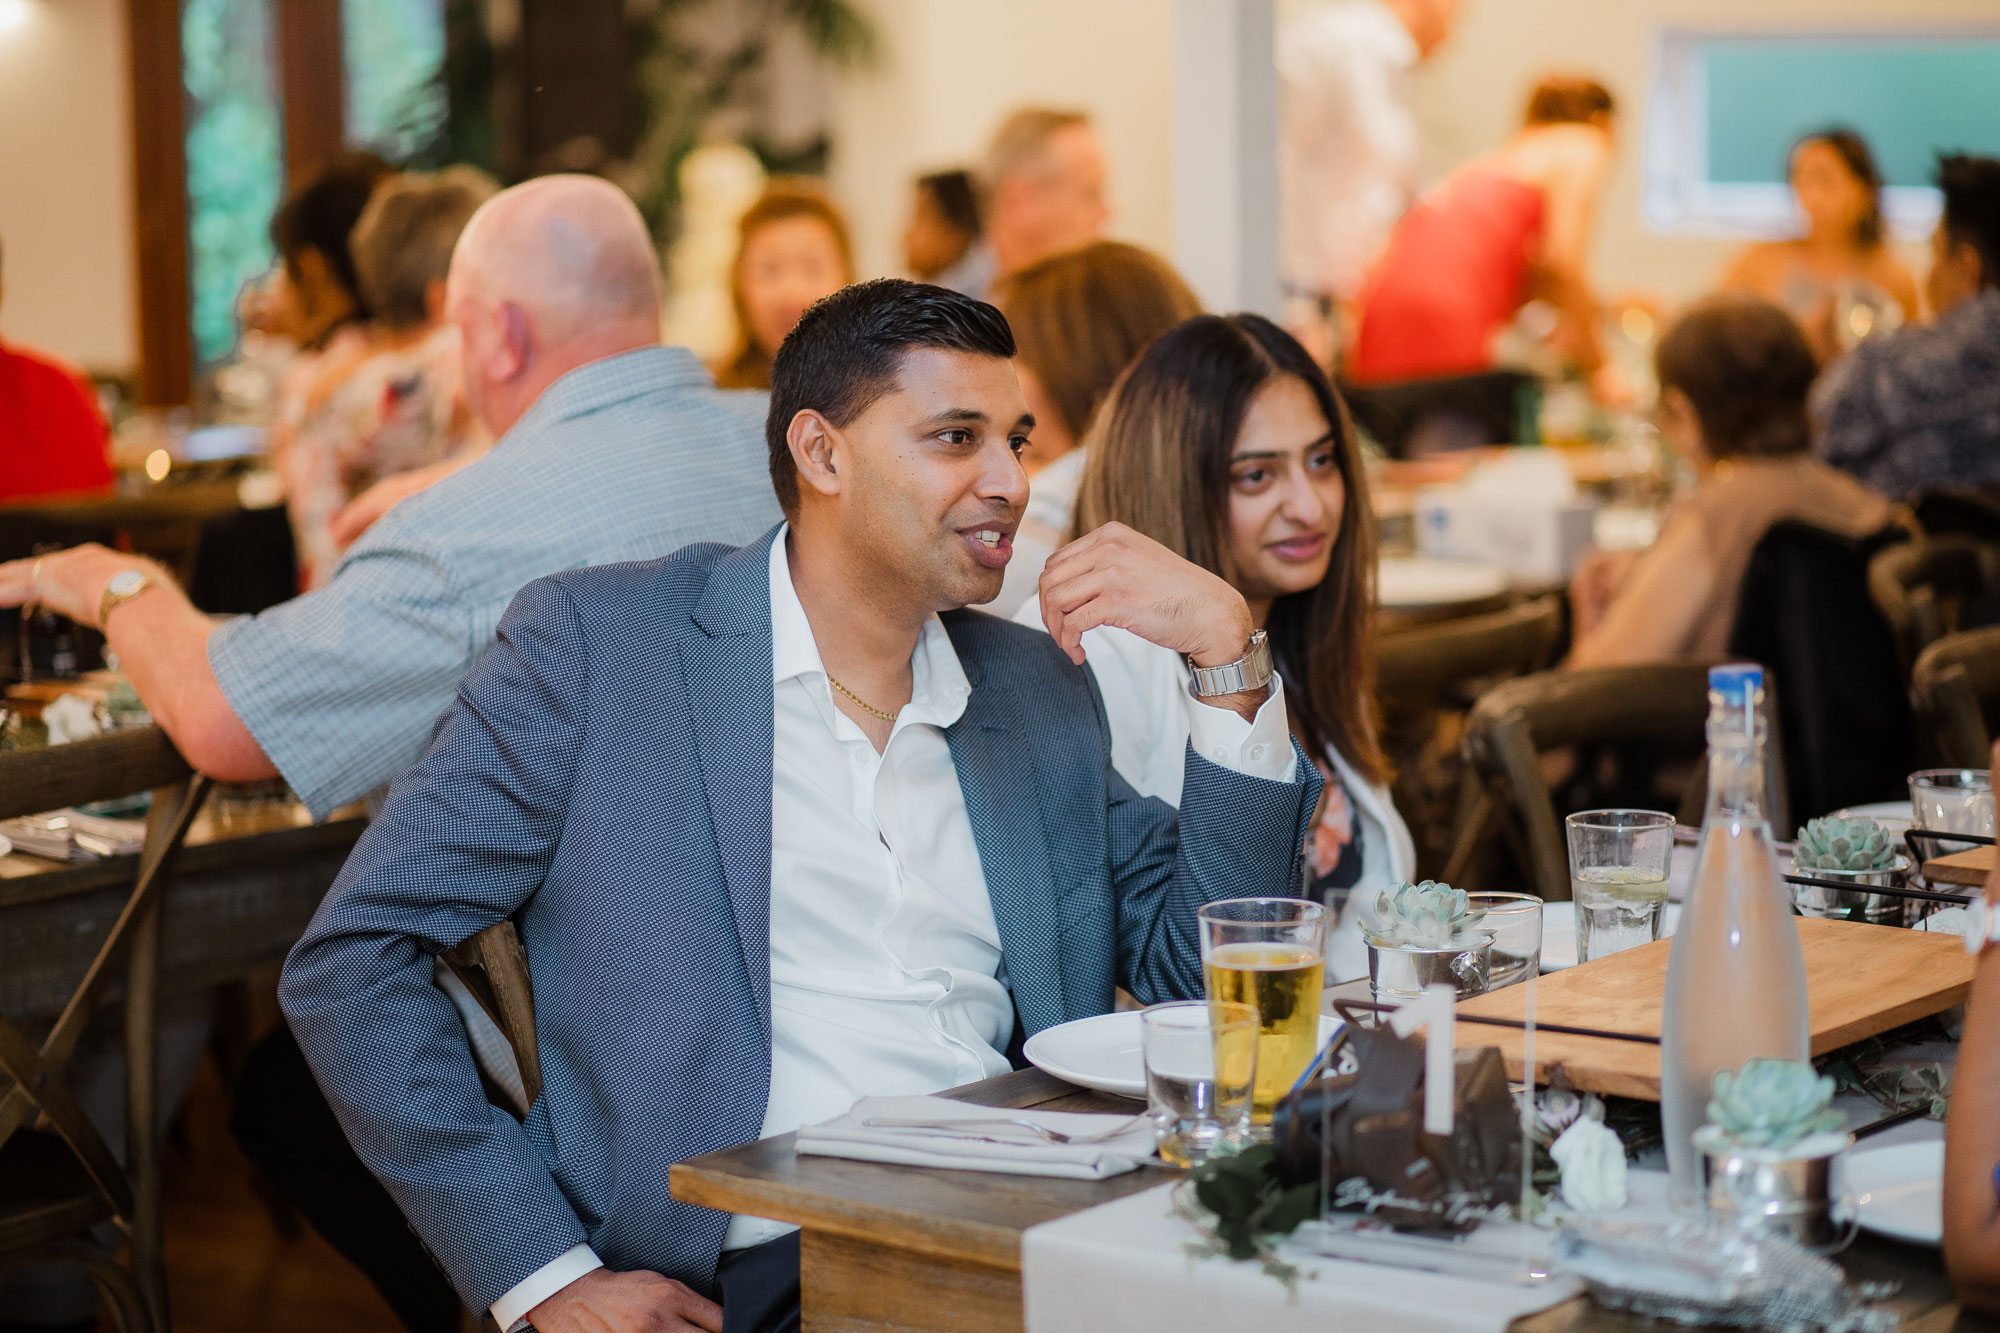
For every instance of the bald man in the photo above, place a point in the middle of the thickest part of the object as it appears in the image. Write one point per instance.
(609, 447)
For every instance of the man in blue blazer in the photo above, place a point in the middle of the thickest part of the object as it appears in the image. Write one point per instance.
(782, 826)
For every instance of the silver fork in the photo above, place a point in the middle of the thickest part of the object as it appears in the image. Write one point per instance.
(1047, 1134)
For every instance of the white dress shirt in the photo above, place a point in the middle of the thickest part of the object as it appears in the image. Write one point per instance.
(1144, 685)
(885, 958)
(1348, 148)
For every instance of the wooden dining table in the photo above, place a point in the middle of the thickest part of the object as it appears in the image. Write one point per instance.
(901, 1249)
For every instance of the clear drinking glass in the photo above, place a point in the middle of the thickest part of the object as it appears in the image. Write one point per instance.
(1201, 1064)
(1269, 953)
(1953, 800)
(1618, 861)
(1515, 921)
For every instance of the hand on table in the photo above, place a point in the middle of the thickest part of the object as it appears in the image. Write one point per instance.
(70, 583)
(1115, 576)
(602, 1301)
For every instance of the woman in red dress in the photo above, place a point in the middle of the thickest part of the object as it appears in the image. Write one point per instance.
(1507, 227)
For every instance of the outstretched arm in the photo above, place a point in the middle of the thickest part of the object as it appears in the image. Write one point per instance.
(1972, 1137)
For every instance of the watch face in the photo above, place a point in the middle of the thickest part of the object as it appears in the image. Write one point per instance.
(125, 581)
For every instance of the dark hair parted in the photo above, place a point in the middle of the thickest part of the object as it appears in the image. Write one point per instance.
(1855, 155)
(320, 215)
(1746, 368)
(1569, 99)
(847, 348)
(1159, 463)
(1081, 316)
(1971, 189)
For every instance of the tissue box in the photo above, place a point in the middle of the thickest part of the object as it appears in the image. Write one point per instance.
(1530, 539)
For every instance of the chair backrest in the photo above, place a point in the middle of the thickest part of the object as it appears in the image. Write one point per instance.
(49, 778)
(1844, 714)
(494, 967)
(1424, 661)
(1955, 690)
(1973, 511)
(1663, 706)
(1936, 586)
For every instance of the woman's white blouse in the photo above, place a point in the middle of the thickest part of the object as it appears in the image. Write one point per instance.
(1145, 688)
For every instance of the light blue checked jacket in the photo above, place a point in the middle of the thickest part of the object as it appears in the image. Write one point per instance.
(605, 777)
(627, 458)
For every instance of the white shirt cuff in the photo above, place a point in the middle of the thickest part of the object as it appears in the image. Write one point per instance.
(1260, 748)
(510, 1312)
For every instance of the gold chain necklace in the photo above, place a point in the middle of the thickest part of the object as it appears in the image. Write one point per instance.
(866, 707)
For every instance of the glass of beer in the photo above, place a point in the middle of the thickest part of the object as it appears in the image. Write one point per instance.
(1269, 953)
(1201, 1060)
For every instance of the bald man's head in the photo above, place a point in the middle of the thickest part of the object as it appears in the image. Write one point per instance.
(548, 276)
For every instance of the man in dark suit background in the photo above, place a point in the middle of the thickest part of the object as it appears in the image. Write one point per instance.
(782, 826)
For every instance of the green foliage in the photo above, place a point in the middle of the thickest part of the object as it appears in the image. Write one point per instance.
(1772, 1103)
(684, 83)
(394, 55)
(1428, 915)
(1844, 844)
(235, 159)
(1250, 1204)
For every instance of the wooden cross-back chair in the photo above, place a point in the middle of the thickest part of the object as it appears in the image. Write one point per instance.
(494, 967)
(1934, 587)
(1426, 660)
(58, 1176)
(1513, 725)
(1955, 693)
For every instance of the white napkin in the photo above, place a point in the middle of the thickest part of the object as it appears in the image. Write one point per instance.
(1021, 1152)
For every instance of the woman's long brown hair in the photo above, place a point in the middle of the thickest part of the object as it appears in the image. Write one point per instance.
(1159, 463)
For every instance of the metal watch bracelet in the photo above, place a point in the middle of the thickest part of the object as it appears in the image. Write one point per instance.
(1252, 671)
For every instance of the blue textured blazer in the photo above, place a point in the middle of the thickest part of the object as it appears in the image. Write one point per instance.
(605, 777)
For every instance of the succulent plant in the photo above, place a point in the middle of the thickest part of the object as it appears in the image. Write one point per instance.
(1844, 844)
(1772, 1103)
(1428, 915)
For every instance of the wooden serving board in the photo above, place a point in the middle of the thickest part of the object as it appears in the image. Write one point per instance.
(1967, 869)
(1860, 980)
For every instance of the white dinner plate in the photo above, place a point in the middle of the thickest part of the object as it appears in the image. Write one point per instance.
(1899, 1190)
(1102, 1053)
(1559, 933)
(1422, 581)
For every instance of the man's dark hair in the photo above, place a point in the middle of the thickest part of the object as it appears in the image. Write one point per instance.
(956, 197)
(847, 348)
(321, 214)
(1971, 189)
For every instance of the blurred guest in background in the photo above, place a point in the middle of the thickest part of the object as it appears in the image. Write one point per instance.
(1042, 189)
(792, 249)
(1347, 139)
(1506, 227)
(52, 436)
(318, 304)
(941, 243)
(1843, 259)
(398, 409)
(1734, 371)
(1226, 444)
(1920, 407)
(1079, 318)
(610, 448)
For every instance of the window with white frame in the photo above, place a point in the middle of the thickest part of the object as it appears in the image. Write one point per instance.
(1726, 108)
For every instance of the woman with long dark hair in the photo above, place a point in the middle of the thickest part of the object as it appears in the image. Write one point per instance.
(1843, 253)
(1225, 443)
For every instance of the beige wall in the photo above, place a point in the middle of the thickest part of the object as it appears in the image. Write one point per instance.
(66, 181)
(953, 68)
(1471, 93)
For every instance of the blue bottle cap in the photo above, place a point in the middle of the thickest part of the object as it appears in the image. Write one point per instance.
(1734, 681)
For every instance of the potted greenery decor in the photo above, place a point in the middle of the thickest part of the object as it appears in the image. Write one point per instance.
(1769, 1148)
(1425, 934)
(1849, 851)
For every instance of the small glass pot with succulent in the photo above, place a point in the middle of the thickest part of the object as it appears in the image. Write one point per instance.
(1849, 851)
(1422, 935)
(1769, 1146)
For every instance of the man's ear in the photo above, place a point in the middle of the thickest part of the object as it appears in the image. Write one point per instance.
(515, 345)
(815, 443)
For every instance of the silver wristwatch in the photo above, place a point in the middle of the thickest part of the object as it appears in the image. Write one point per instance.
(1252, 671)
